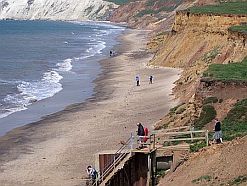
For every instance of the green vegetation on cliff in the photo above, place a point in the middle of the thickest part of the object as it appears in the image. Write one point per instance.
(235, 124)
(208, 113)
(120, 2)
(239, 7)
(228, 72)
(239, 28)
(158, 6)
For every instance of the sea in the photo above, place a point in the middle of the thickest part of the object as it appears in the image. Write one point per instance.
(48, 65)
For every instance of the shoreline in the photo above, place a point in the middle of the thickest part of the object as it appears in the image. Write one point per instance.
(76, 83)
(56, 150)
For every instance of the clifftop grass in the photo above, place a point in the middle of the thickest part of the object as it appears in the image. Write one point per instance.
(239, 7)
(239, 28)
(120, 2)
(228, 72)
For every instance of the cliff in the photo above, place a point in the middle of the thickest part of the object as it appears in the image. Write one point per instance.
(207, 23)
(194, 35)
(54, 9)
(154, 15)
(198, 40)
(195, 42)
(212, 51)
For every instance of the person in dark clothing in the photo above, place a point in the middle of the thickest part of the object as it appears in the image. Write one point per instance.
(218, 132)
(137, 80)
(92, 173)
(140, 133)
(151, 79)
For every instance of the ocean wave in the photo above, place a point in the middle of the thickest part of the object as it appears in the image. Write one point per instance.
(96, 49)
(3, 81)
(30, 92)
(99, 23)
(49, 84)
(47, 87)
(65, 65)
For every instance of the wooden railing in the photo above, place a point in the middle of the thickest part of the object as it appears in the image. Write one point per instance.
(152, 140)
(175, 136)
(120, 154)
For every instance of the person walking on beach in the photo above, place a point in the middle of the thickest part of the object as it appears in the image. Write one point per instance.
(140, 134)
(151, 79)
(92, 173)
(111, 53)
(217, 131)
(137, 80)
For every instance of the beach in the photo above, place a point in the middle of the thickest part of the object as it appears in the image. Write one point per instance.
(57, 149)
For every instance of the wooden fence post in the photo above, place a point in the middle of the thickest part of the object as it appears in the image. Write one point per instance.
(206, 137)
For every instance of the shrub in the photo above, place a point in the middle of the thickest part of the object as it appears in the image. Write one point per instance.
(205, 177)
(235, 123)
(195, 147)
(208, 113)
(210, 100)
(209, 56)
(174, 109)
(238, 180)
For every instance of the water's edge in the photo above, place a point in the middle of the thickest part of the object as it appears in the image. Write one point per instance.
(38, 111)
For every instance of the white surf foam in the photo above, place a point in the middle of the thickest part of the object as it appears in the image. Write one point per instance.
(65, 65)
(31, 92)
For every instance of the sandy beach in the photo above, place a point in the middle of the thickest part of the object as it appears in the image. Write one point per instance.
(57, 149)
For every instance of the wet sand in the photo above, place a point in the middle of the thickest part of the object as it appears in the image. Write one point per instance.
(57, 149)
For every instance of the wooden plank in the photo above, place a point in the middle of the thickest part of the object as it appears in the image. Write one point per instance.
(165, 130)
(181, 133)
(174, 147)
(183, 139)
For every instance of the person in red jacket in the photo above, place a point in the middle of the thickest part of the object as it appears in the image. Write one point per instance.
(145, 134)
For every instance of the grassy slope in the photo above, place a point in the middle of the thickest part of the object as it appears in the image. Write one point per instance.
(235, 124)
(120, 2)
(228, 72)
(222, 8)
(169, 6)
(239, 28)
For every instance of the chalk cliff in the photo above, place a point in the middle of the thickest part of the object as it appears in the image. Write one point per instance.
(54, 9)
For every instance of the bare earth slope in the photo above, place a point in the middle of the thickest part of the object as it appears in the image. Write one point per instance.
(213, 166)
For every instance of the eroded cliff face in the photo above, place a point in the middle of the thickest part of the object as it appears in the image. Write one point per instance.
(196, 41)
(150, 14)
(206, 23)
(54, 9)
(194, 36)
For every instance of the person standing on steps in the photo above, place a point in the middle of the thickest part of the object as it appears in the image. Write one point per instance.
(217, 131)
(145, 134)
(151, 79)
(140, 134)
(137, 80)
(92, 174)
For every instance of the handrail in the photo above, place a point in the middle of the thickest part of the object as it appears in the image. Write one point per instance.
(184, 132)
(126, 148)
(177, 134)
(170, 129)
(118, 156)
